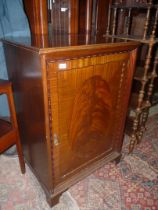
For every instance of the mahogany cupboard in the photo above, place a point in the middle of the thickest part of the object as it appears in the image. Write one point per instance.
(71, 101)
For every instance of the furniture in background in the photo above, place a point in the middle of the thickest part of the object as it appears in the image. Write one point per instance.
(71, 103)
(138, 20)
(66, 16)
(9, 133)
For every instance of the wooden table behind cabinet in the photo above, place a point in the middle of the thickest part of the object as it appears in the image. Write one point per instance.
(71, 104)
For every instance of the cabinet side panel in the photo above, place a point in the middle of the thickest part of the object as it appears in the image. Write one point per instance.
(24, 71)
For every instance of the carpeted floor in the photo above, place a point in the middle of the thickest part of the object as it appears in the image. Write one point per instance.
(130, 185)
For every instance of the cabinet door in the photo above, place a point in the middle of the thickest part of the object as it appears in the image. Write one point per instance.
(87, 104)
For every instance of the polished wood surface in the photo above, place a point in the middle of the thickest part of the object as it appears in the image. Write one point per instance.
(88, 22)
(9, 133)
(102, 16)
(87, 98)
(58, 42)
(37, 13)
(67, 16)
(64, 16)
(71, 104)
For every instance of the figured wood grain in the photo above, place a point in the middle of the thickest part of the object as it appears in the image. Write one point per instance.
(82, 106)
(71, 103)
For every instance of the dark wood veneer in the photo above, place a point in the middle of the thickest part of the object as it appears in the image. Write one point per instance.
(71, 104)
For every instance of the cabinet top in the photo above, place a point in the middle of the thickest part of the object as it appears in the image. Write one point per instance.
(44, 44)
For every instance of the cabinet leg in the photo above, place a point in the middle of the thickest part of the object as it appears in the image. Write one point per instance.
(117, 160)
(52, 201)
